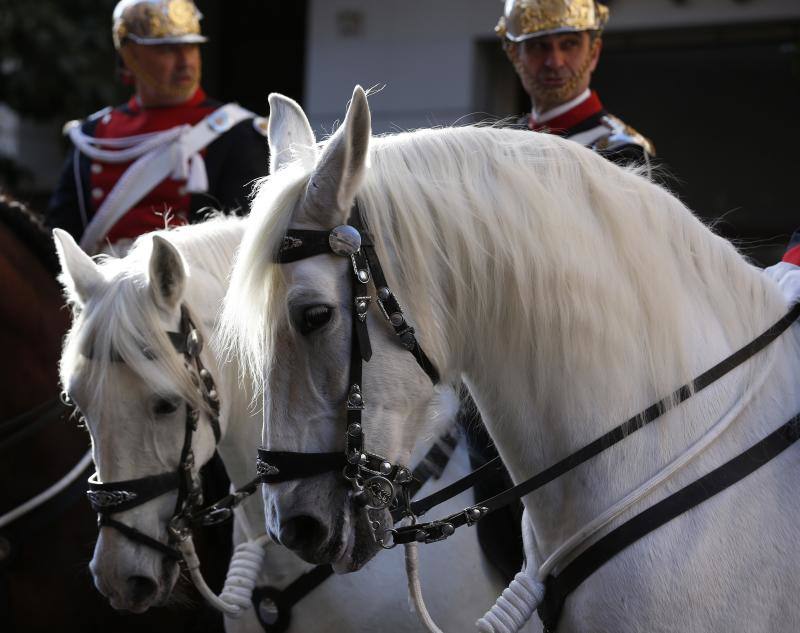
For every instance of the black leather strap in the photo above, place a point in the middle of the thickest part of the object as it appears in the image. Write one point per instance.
(291, 465)
(560, 586)
(119, 496)
(403, 331)
(300, 244)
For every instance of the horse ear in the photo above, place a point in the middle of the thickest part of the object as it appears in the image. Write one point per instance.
(341, 169)
(80, 276)
(167, 274)
(290, 134)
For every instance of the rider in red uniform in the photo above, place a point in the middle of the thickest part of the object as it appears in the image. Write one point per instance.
(158, 45)
(555, 47)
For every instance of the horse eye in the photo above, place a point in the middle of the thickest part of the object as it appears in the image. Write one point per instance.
(314, 318)
(164, 406)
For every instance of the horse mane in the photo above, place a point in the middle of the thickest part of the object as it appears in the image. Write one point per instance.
(121, 323)
(30, 229)
(573, 259)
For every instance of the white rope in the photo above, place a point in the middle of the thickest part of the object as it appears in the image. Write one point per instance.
(48, 494)
(243, 571)
(515, 606)
(415, 589)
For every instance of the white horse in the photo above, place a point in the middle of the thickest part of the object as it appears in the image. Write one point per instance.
(132, 387)
(570, 294)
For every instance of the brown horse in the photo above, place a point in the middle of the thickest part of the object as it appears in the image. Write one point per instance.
(44, 577)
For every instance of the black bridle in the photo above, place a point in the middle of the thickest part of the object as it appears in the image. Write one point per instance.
(110, 498)
(377, 483)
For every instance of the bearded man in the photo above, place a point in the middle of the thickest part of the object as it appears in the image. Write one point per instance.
(555, 46)
(167, 154)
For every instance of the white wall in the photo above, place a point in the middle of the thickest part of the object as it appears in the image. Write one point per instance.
(423, 50)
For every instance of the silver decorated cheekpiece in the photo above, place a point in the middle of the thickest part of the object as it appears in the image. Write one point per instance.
(265, 469)
(109, 498)
(344, 240)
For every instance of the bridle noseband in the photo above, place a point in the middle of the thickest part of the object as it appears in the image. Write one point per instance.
(377, 483)
(109, 498)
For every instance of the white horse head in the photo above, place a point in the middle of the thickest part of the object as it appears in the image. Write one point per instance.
(306, 381)
(133, 388)
(568, 292)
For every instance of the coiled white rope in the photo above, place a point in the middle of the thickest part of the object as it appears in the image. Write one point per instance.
(52, 491)
(245, 565)
(515, 606)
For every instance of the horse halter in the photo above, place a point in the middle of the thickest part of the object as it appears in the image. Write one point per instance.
(109, 498)
(377, 483)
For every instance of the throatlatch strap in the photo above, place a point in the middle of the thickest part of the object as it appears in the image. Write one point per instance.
(560, 586)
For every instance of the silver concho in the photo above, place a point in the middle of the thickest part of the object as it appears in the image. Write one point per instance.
(109, 498)
(344, 240)
(379, 491)
(194, 343)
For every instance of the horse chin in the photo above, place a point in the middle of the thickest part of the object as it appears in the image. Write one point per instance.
(360, 547)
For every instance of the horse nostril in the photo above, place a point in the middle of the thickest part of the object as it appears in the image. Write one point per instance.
(302, 532)
(141, 588)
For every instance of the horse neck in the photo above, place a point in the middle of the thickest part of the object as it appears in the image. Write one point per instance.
(558, 347)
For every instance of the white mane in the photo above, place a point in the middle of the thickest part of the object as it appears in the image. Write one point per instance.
(579, 263)
(119, 323)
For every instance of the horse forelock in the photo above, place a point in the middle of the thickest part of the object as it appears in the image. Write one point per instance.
(257, 284)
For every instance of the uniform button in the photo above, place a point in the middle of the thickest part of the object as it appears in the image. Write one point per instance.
(96, 168)
(97, 193)
(182, 191)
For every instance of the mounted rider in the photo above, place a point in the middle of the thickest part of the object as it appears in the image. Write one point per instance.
(167, 153)
(555, 46)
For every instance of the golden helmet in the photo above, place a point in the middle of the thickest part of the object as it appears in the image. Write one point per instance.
(523, 19)
(157, 22)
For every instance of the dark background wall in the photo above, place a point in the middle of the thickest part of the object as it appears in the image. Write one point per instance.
(722, 105)
(256, 47)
